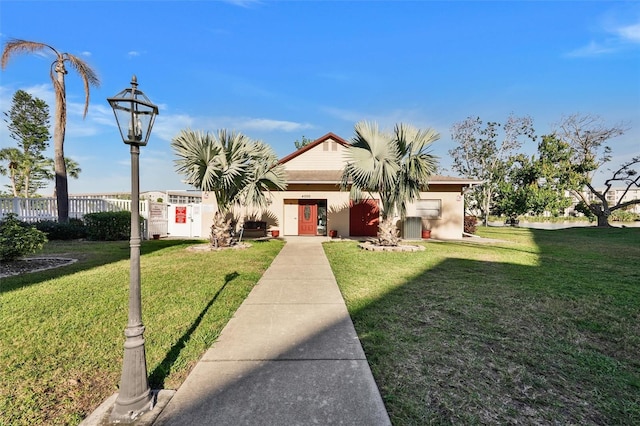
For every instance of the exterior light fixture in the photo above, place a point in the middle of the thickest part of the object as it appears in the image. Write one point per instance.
(135, 115)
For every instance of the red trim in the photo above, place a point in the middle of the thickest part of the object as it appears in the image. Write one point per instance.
(313, 144)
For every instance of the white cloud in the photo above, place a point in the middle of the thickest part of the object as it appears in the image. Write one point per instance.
(243, 3)
(133, 54)
(101, 114)
(592, 49)
(619, 37)
(343, 114)
(44, 92)
(264, 124)
(166, 127)
(5, 98)
(630, 33)
(386, 118)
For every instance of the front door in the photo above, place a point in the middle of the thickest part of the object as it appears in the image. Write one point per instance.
(364, 218)
(307, 217)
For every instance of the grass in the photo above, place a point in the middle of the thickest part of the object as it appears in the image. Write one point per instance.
(61, 330)
(542, 328)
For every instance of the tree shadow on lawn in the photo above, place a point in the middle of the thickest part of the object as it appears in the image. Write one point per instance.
(503, 341)
(466, 341)
(87, 257)
(160, 373)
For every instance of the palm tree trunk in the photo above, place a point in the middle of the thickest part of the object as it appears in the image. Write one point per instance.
(62, 194)
(14, 187)
(26, 185)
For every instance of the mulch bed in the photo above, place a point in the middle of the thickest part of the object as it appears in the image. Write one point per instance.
(34, 264)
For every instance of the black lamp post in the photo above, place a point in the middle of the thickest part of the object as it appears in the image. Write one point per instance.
(135, 115)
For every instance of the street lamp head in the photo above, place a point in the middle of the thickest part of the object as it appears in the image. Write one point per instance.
(134, 113)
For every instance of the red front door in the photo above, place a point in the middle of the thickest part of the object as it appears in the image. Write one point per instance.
(364, 218)
(307, 217)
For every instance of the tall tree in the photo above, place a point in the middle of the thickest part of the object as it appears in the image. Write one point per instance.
(239, 171)
(397, 166)
(57, 73)
(480, 155)
(554, 177)
(587, 135)
(536, 184)
(28, 124)
(302, 142)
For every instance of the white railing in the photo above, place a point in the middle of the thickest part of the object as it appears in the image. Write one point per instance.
(36, 209)
(39, 209)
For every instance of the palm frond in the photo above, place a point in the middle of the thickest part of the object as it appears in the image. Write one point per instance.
(372, 157)
(88, 75)
(17, 46)
(196, 160)
(237, 169)
(397, 166)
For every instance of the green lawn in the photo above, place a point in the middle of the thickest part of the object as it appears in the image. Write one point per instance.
(542, 328)
(61, 331)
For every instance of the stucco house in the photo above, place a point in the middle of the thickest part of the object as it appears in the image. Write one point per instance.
(313, 203)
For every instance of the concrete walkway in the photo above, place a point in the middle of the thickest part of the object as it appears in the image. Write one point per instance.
(289, 356)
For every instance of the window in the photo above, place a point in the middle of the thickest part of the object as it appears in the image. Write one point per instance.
(184, 199)
(330, 145)
(429, 209)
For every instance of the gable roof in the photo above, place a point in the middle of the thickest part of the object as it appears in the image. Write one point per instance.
(328, 176)
(313, 144)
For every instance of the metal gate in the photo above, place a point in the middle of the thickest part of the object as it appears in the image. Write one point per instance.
(185, 220)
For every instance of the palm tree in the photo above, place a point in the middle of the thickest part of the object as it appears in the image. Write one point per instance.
(239, 171)
(47, 170)
(57, 73)
(395, 165)
(13, 157)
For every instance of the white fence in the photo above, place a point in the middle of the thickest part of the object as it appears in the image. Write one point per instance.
(38, 209)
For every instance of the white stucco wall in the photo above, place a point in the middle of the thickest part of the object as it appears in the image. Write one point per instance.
(285, 210)
(283, 213)
(451, 223)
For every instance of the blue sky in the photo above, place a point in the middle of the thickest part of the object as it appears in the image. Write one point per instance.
(278, 70)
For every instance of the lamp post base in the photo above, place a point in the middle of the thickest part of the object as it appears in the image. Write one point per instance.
(127, 411)
(135, 397)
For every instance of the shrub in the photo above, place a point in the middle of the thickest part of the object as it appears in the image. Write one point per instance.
(72, 230)
(623, 216)
(18, 238)
(108, 226)
(470, 224)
